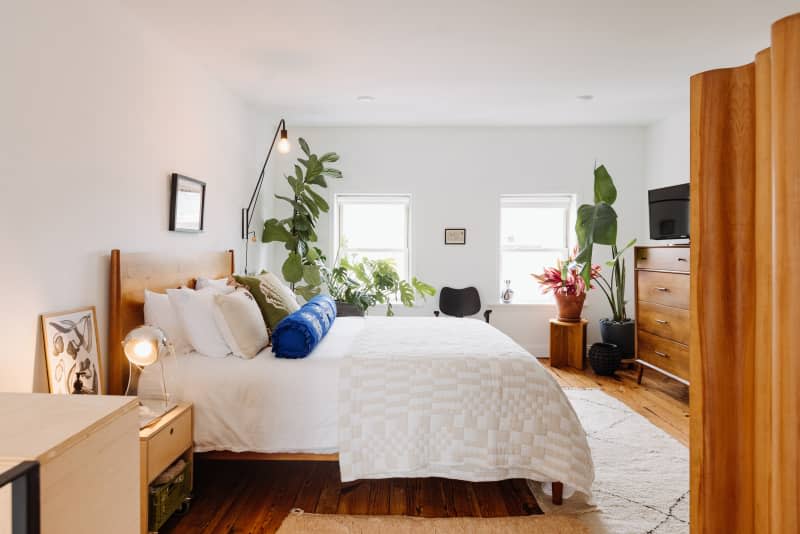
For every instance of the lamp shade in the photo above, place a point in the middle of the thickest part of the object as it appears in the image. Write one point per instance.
(143, 344)
(283, 143)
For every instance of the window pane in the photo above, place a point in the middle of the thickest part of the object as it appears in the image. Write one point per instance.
(533, 226)
(518, 266)
(399, 258)
(373, 225)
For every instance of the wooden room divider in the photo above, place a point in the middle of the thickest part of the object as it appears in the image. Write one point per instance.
(745, 241)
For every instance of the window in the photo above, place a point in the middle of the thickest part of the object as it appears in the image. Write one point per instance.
(374, 226)
(535, 231)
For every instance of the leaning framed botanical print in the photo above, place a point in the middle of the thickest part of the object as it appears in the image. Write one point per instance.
(187, 204)
(72, 351)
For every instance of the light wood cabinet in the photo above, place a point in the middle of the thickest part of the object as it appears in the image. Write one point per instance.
(160, 445)
(86, 446)
(662, 310)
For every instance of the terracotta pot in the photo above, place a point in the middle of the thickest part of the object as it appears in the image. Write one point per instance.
(570, 307)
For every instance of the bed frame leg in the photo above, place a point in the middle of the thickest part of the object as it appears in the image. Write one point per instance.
(558, 493)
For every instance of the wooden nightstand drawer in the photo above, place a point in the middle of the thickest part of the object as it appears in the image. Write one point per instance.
(170, 441)
(663, 259)
(668, 289)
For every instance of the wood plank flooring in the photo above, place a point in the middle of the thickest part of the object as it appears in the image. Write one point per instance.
(244, 496)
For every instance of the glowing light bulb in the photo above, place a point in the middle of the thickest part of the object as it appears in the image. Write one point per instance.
(143, 348)
(283, 144)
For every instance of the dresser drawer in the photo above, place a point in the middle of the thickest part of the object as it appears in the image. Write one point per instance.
(663, 259)
(664, 354)
(664, 321)
(668, 289)
(170, 441)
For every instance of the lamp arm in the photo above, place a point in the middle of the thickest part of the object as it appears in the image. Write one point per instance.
(247, 218)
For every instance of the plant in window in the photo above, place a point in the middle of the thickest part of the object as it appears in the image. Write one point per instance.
(366, 282)
(297, 232)
(597, 225)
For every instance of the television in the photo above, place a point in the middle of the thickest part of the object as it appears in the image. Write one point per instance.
(669, 212)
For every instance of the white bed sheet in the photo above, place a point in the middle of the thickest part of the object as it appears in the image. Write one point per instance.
(266, 404)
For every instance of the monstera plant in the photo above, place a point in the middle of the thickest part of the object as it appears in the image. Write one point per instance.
(297, 232)
(597, 225)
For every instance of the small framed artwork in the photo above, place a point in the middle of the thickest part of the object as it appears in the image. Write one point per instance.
(455, 236)
(187, 204)
(72, 352)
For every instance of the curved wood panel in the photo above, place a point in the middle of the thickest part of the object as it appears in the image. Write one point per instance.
(786, 306)
(131, 274)
(722, 298)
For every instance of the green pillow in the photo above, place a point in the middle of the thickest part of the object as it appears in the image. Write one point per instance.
(274, 299)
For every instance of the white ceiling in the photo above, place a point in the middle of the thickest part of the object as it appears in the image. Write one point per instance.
(464, 62)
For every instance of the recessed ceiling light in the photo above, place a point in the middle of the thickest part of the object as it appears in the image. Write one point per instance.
(365, 98)
(585, 97)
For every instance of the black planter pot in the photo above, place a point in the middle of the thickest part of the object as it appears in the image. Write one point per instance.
(604, 358)
(344, 309)
(621, 334)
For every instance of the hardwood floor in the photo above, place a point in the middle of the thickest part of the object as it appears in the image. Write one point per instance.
(243, 496)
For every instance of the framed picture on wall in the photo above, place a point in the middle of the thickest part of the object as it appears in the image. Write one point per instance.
(187, 204)
(455, 236)
(72, 352)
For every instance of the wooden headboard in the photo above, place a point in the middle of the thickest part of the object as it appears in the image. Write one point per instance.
(131, 274)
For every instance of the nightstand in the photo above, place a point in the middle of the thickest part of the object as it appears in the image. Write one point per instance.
(160, 445)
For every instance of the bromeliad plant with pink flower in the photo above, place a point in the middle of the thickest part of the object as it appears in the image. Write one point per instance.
(567, 285)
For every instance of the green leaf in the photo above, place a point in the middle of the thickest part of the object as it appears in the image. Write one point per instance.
(292, 268)
(311, 275)
(312, 254)
(618, 257)
(333, 173)
(304, 146)
(274, 230)
(423, 288)
(297, 185)
(321, 203)
(317, 180)
(296, 205)
(310, 204)
(329, 157)
(406, 293)
(307, 292)
(604, 190)
(595, 224)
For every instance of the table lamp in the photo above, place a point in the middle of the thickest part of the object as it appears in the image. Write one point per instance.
(144, 346)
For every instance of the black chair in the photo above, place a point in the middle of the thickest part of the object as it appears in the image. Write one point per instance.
(460, 302)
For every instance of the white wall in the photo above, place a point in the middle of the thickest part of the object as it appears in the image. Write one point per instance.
(96, 114)
(456, 176)
(666, 150)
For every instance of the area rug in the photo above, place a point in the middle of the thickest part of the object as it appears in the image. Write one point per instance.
(298, 522)
(641, 473)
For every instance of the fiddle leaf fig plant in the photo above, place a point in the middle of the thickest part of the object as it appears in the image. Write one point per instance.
(297, 232)
(597, 225)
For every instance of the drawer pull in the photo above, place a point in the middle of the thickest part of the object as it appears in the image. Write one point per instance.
(662, 321)
(171, 431)
(682, 259)
(662, 289)
(662, 354)
(643, 258)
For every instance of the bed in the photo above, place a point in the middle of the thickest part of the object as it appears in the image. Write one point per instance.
(386, 397)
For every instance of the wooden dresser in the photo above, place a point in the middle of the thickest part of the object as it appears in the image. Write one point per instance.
(87, 448)
(662, 310)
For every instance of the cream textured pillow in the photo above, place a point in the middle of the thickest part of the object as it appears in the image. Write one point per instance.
(239, 319)
(159, 312)
(196, 312)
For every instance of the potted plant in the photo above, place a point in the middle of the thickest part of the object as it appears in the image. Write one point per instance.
(297, 233)
(357, 286)
(597, 225)
(568, 287)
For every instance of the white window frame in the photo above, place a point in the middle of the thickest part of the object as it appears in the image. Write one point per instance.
(340, 200)
(567, 200)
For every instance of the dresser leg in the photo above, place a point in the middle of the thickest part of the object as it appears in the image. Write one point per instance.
(641, 372)
(558, 493)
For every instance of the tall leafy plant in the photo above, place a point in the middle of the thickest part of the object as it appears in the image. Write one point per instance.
(597, 225)
(297, 232)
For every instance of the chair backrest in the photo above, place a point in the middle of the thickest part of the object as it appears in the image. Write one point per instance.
(459, 302)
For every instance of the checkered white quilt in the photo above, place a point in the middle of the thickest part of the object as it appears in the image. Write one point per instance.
(454, 398)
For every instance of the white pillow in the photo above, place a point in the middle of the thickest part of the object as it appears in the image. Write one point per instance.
(241, 323)
(195, 310)
(159, 312)
(219, 283)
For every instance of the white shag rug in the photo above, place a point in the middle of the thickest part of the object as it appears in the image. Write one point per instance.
(641, 473)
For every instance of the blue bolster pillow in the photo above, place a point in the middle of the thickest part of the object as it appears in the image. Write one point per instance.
(298, 333)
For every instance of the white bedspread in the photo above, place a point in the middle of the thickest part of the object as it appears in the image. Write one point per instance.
(454, 398)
